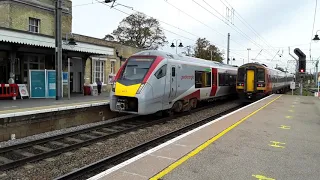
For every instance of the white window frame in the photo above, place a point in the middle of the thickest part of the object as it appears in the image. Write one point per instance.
(112, 66)
(101, 70)
(34, 22)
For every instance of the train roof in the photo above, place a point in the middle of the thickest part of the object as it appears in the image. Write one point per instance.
(184, 58)
(262, 65)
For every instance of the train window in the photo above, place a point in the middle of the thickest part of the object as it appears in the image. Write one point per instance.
(198, 79)
(221, 79)
(260, 75)
(202, 79)
(208, 79)
(173, 71)
(241, 74)
(161, 72)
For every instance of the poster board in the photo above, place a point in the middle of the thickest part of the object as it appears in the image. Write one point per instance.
(43, 83)
(37, 83)
(23, 90)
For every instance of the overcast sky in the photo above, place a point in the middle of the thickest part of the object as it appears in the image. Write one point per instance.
(279, 24)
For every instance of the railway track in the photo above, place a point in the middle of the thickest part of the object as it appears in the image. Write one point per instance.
(97, 167)
(20, 154)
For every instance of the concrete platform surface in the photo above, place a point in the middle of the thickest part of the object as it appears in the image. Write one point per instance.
(282, 141)
(10, 108)
(151, 162)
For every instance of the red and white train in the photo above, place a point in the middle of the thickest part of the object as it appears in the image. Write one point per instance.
(153, 81)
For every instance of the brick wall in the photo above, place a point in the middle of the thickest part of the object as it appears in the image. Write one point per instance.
(4, 15)
(16, 16)
(40, 123)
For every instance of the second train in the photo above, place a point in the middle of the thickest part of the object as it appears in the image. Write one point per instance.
(255, 81)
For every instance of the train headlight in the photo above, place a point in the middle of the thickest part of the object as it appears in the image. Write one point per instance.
(140, 88)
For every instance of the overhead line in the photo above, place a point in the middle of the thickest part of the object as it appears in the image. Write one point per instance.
(245, 22)
(201, 22)
(243, 34)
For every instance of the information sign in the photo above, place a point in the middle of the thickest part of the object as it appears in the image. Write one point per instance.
(51, 83)
(37, 84)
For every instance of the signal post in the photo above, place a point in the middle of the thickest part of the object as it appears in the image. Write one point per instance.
(301, 66)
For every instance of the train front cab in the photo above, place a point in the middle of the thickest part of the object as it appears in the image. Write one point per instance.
(251, 83)
(131, 91)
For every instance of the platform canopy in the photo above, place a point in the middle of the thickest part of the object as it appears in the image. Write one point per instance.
(13, 36)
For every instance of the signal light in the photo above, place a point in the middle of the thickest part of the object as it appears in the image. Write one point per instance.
(301, 70)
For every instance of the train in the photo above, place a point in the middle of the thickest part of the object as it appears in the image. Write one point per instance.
(256, 80)
(153, 81)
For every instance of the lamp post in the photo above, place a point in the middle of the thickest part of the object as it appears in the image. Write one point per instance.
(316, 39)
(176, 45)
(248, 53)
(72, 43)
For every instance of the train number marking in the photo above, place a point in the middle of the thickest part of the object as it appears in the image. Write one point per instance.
(261, 177)
(285, 127)
(277, 144)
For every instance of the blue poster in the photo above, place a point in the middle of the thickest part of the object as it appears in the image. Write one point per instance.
(51, 84)
(65, 77)
(38, 85)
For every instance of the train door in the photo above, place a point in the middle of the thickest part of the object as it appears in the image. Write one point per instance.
(173, 83)
(250, 80)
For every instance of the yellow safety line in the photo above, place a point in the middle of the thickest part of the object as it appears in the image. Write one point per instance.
(48, 107)
(204, 145)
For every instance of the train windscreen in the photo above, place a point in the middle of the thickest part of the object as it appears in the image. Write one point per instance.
(260, 75)
(241, 74)
(135, 70)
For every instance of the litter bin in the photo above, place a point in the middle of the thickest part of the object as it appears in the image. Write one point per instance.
(94, 90)
(87, 90)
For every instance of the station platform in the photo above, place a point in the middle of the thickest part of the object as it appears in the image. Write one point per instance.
(22, 107)
(277, 137)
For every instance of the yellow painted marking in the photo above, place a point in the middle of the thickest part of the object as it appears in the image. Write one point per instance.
(292, 106)
(291, 110)
(277, 144)
(49, 107)
(130, 91)
(288, 117)
(261, 177)
(207, 143)
(285, 127)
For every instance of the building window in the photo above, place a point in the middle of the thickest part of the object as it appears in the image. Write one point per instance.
(112, 67)
(34, 25)
(98, 71)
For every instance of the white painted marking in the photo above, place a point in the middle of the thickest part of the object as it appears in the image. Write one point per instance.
(163, 157)
(129, 161)
(135, 174)
(24, 113)
(180, 145)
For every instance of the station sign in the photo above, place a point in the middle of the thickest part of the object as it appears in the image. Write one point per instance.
(292, 85)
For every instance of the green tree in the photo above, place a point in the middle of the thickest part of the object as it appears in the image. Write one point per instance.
(139, 31)
(204, 50)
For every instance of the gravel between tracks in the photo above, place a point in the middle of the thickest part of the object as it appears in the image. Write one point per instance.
(67, 162)
(60, 131)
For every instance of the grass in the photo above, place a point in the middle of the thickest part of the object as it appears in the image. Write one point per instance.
(306, 91)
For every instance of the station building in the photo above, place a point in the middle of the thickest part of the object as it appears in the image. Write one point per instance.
(27, 42)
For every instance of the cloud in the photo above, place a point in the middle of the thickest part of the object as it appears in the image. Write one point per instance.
(281, 23)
